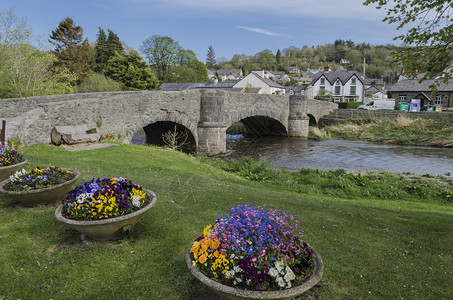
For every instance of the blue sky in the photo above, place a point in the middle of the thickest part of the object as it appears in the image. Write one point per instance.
(230, 26)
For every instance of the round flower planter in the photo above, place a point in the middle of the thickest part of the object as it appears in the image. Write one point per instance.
(108, 228)
(232, 293)
(48, 195)
(7, 171)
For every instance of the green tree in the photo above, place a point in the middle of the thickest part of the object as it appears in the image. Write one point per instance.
(71, 48)
(130, 70)
(324, 95)
(429, 35)
(278, 56)
(95, 82)
(210, 58)
(101, 50)
(162, 53)
(13, 31)
(113, 44)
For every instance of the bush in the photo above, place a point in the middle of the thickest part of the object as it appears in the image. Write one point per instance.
(95, 82)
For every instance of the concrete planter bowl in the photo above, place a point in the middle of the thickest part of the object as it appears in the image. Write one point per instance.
(45, 196)
(7, 171)
(107, 229)
(232, 293)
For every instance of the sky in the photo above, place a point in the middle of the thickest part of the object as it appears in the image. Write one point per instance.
(229, 26)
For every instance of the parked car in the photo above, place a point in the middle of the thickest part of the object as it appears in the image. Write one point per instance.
(378, 104)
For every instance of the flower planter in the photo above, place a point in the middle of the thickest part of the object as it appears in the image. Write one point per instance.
(7, 171)
(108, 228)
(49, 195)
(228, 292)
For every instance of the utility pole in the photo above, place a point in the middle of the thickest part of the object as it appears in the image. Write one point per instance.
(3, 135)
(364, 56)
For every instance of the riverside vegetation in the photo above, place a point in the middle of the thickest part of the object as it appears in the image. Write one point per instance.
(381, 235)
(403, 130)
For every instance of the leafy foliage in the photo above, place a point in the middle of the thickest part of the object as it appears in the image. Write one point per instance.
(428, 38)
(131, 71)
(95, 82)
(210, 58)
(71, 48)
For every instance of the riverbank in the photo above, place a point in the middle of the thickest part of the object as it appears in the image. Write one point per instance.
(372, 247)
(402, 129)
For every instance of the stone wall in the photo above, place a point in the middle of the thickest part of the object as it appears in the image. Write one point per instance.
(205, 113)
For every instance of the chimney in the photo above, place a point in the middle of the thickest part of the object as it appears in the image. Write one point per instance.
(326, 68)
(351, 67)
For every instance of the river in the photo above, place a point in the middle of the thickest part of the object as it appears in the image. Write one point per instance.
(295, 153)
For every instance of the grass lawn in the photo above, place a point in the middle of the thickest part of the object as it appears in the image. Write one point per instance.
(371, 248)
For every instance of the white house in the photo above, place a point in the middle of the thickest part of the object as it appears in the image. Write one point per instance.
(260, 81)
(345, 85)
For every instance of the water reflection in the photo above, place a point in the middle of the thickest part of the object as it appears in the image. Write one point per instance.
(295, 153)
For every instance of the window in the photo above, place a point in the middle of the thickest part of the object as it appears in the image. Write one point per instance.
(323, 81)
(353, 90)
(337, 88)
(353, 82)
(439, 100)
(322, 87)
(403, 98)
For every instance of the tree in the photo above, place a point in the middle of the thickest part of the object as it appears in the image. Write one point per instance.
(278, 56)
(71, 48)
(13, 31)
(429, 37)
(324, 95)
(161, 52)
(95, 82)
(101, 50)
(210, 58)
(130, 70)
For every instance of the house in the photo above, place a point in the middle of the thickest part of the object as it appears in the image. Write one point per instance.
(278, 76)
(345, 85)
(259, 79)
(294, 70)
(295, 90)
(408, 89)
(235, 74)
(375, 92)
(182, 86)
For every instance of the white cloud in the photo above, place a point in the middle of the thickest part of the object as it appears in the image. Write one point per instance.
(332, 9)
(262, 31)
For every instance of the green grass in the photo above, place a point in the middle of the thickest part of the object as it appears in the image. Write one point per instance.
(372, 248)
(403, 130)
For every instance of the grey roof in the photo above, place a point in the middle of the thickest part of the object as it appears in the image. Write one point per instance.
(268, 81)
(339, 73)
(377, 81)
(374, 89)
(228, 72)
(295, 88)
(278, 73)
(176, 86)
(413, 85)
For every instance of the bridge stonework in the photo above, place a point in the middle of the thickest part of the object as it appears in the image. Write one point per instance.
(206, 114)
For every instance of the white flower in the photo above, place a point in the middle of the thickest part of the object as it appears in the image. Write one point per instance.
(279, 265)
(17, 176)
(280, 281)
(136, 201)
(289, 274)
(237, 269)
(82, 198)
(273, 272)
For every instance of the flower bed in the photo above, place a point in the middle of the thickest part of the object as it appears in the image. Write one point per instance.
(9, 157)
(253, 248)
(37, 178)
(103, 199)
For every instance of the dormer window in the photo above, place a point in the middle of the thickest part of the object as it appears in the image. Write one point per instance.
(337, 87)
(323, 81)
(353, 81)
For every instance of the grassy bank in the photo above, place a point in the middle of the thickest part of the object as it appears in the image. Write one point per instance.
(372, 247)
(402, 130)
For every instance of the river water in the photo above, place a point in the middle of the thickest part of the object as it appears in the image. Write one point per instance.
(295, 153)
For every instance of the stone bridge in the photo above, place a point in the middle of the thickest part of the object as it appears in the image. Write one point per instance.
(205, 114)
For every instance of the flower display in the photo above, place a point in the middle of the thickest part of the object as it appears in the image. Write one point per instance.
(37, 178)
(251, 247)
(9, 157)
(103, 198)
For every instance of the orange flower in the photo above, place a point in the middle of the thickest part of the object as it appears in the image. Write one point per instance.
(208, 243)
(216, 254)
(194, 247)
(202, 259)
(203, 249)
(215, 245)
